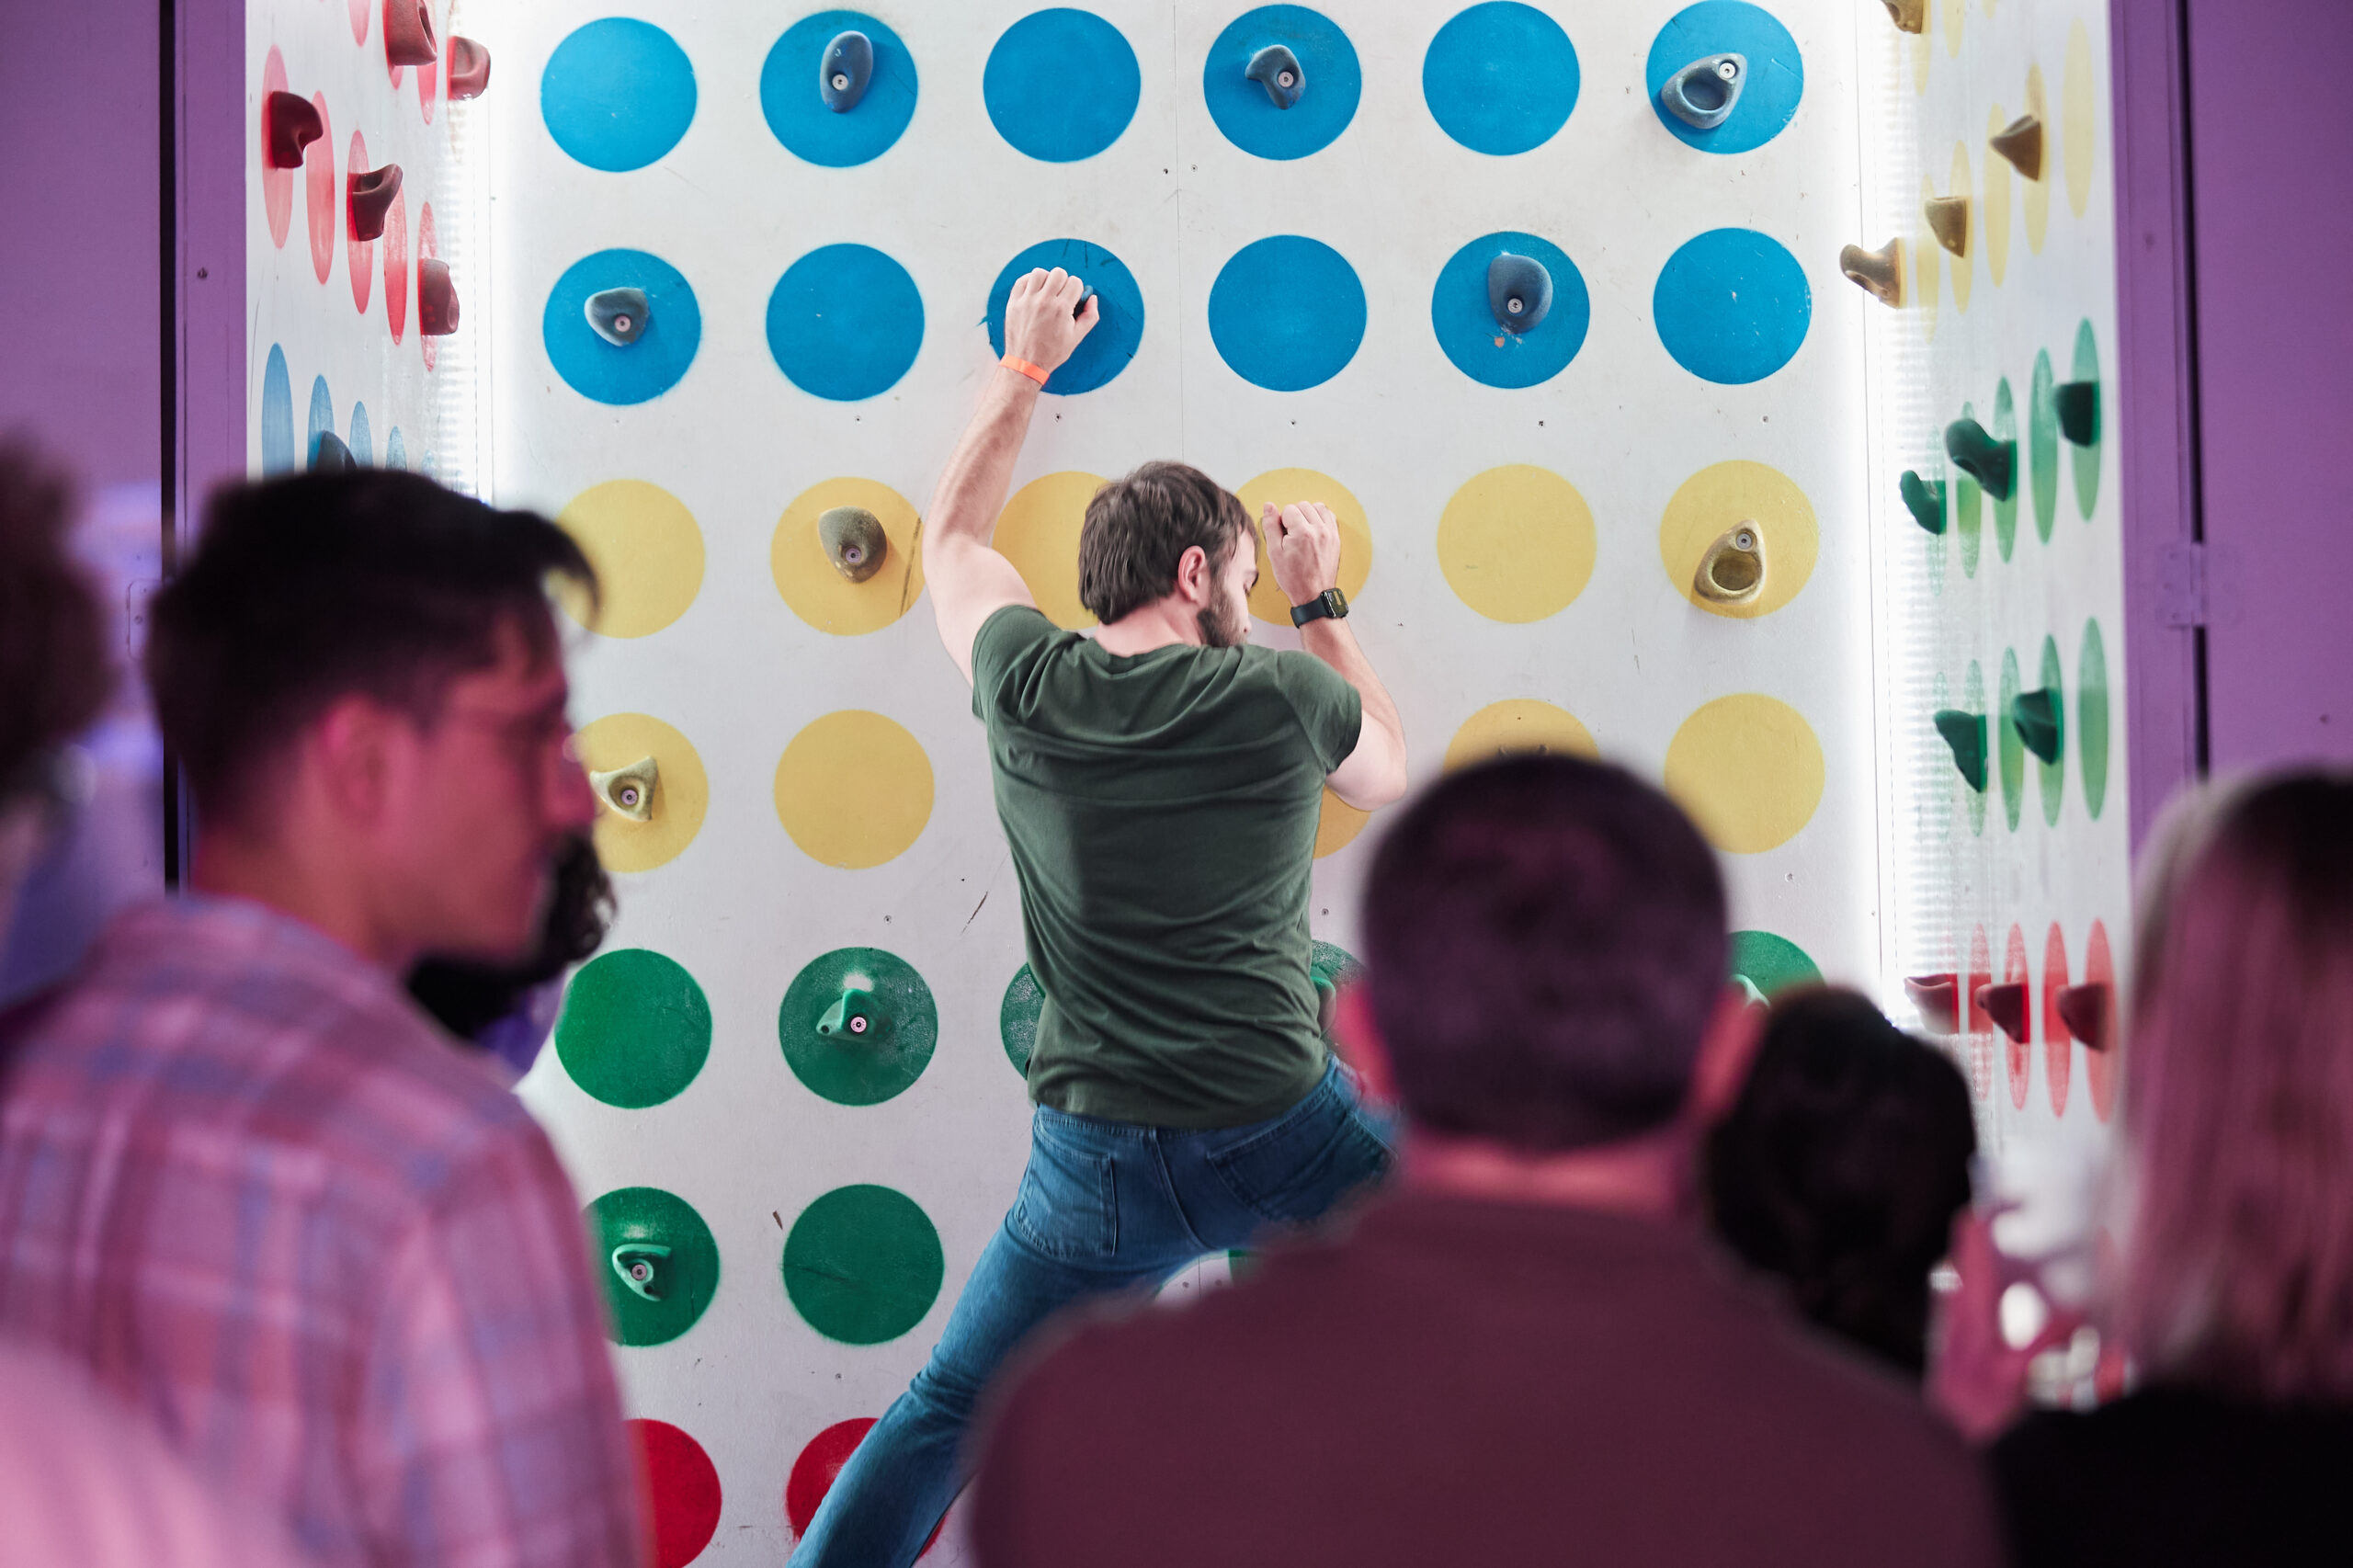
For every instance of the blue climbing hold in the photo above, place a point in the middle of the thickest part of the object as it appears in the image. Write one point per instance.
(1276, 69)
(843, 73)
(1518, 290)
(1704, 93)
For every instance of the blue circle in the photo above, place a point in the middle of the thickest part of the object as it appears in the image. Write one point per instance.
(799, 117)
(1501, 78)
(1327, 101)
(610, 373)
(395, 449)
(322, 420)
(1061, 84)
(1287, 312)
(1101, 354)
(1776, 71)
(276, 415)
(1467, 329)
(363, 441)
(1731, 306)
(618, 94)
(845, 323)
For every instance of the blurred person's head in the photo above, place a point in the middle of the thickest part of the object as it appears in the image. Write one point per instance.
(1545, 946)
(1841, 1165)
(55, 670)
(2238, 1095)
(468, 998)
(360, 674)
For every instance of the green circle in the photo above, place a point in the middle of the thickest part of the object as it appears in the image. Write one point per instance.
(1772, 963)
(635, 1028)
(683, 1280)
(2011, 749)
(1968, 515)
(1016, 1018)
(2042, 446)
(2052, 775)
(2005, 428)
(863, 1264)
(2091, 717)
(2084, 459)
(834, 1059)
(1939, 806)
(1973, 700)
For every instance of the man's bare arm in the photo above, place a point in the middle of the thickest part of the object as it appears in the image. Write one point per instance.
(970, 581)
(1303, 547)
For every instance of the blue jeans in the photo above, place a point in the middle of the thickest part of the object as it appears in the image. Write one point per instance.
(1105, 1206)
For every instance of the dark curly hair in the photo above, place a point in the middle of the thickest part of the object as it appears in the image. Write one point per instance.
(1841, 1168)
(55, 671)
(467, 998)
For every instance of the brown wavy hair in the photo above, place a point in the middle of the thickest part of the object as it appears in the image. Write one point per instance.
(2238, 1095)
(55, 671)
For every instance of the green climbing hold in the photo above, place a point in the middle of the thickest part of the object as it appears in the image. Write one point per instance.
(862, 1265)
(852, 1014)
(2051, 771)
(2038, 718)
(2077, 405)
(1992, 464)
(1748, 990)
(857, 1026)
(1924, 499)
(1965, 733)
(2084, 459)
(661, 1266)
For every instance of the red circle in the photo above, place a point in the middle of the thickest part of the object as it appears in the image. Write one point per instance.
(2019, 1053)
(1975, 1024)
(425, 251)
(683, 1486)
(820, 1464)
(2058, 1045)
(319, 193)
(2101, 1068)
(428, 76)
(396, 266)
(360, 11)
(358, 253)
(276, 185)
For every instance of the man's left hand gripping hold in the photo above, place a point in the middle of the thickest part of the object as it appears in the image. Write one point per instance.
(969, 581)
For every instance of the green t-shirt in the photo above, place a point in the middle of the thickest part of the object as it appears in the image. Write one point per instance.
(1162, 810)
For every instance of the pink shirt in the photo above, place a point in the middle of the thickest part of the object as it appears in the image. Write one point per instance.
(258, 1194)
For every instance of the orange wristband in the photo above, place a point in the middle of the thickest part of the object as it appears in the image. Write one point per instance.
(1036, 373)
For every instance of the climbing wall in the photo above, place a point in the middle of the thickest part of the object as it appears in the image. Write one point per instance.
(351, 336)
(1655, 523)
(1994, 490)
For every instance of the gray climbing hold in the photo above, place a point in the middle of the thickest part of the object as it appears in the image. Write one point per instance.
(330, 455)
(2077, 406)
(618, 316)
(628, 790)
(844, 71)
(368, 198)
(1277, 70)
(1702, 94)
(854, 541)
(1732, 572)
(1518, 290)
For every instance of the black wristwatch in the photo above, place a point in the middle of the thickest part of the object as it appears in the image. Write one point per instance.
(1330, 604)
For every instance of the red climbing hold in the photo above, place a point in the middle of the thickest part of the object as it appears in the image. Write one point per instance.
(2005, 1003)
(1937, 996)
(369, 195)
(288, 125)
(469, 66)
(437, 299)
(2084, 1010)
(408, 33)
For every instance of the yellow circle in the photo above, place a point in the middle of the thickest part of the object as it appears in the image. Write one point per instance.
(1338, 825)
(1921, 49)
(2077, 123)
(1927, 275)
(1995, 204)
(1961, 188)
(2038, 191)
(1038, 531)
(1748, 769)
(681, 789)
(1718, 498)
(822, 596)
(1282, 487)
(647, 552)
(1517, 543)
(853, 788)
(1515, 725)
(1954, 10)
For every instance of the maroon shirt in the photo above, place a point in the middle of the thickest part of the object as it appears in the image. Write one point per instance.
(1461, 1381)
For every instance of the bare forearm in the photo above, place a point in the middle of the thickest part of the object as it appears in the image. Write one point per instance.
(1334, 642)
(972, 488)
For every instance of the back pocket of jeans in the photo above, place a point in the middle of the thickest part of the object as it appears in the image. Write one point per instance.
(1068, 1205)
(1297, 1170)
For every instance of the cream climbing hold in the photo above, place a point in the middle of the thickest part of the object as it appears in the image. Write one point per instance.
(1733, 570)
(1878, 272)
(2020, 141)
(1949, 221)
(1909, 15)
(629, 791)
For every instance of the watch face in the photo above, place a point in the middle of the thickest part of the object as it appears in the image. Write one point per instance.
(1335, 603)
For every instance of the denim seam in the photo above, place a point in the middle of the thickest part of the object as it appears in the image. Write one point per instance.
(1168, 1186)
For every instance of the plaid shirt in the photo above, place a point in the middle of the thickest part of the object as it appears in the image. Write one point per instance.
(271, 1205)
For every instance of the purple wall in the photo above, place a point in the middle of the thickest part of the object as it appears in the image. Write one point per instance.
(80, 236)
(2271, 149)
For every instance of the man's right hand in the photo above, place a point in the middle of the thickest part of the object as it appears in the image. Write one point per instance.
(1303, 547)
(1044, 320)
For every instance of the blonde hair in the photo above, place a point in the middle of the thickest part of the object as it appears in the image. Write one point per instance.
(2238, 1095)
